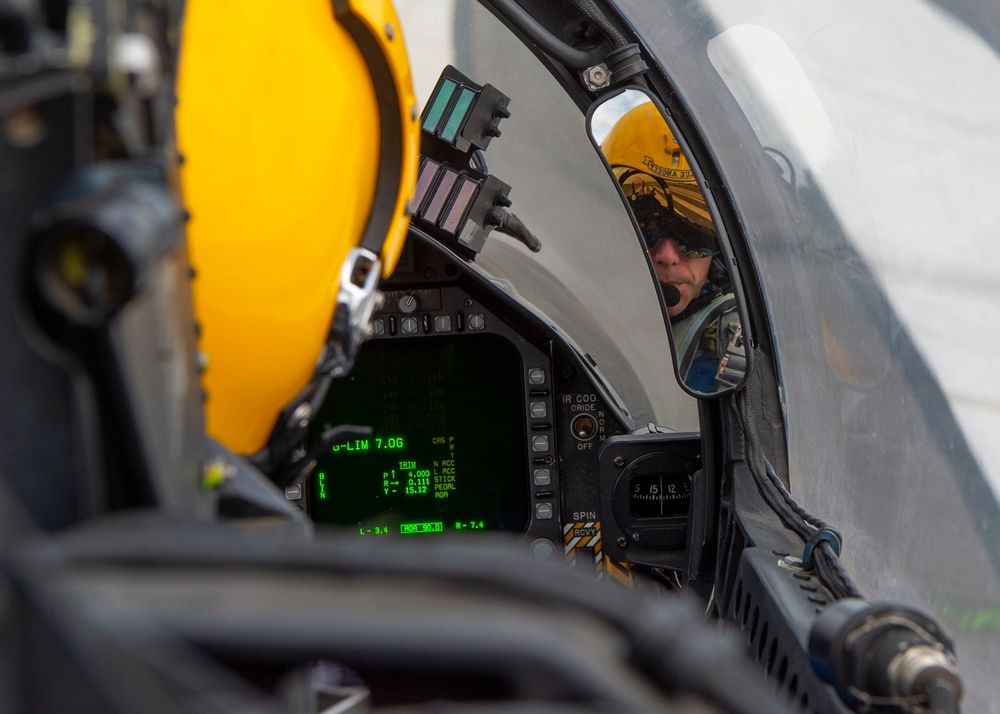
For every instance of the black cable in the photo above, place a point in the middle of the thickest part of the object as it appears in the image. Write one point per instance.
(825, 560)
(660, 577)
(829, 569)
(812, 520)
(506, 222)
(478, 161)
(832, 575)
(545, 40)
(755, 462)
(298, 467)
(566, 53)
(777, 500)
(593, 13)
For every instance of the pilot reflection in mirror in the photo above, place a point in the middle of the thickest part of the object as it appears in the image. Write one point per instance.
(683, 246)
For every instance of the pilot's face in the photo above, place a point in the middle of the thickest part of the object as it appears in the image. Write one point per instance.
(672, 267)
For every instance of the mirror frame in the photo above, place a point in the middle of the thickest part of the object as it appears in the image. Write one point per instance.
(721, 231)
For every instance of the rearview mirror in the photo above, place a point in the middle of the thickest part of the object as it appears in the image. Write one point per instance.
(683, 239)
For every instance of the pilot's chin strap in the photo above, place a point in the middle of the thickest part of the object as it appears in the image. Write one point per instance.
(284, 459)
(357, 300)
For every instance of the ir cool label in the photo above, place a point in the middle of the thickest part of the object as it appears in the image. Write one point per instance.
(586, 419)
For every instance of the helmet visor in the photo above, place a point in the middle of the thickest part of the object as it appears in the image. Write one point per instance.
(659, 207)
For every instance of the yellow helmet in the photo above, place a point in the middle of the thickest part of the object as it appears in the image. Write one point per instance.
(297, 124)
(648, 161)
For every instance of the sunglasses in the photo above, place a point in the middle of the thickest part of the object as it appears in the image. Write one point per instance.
(694, 252)
(653, 237)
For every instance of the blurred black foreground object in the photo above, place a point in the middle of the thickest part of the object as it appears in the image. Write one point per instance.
(138, 614)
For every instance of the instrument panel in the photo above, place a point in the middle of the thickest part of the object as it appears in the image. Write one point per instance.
(482, 417)
(462, 435)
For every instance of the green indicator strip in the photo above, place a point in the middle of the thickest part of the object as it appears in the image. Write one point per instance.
(458, 114)
(409, 528)
(977, 619)
(438, 105)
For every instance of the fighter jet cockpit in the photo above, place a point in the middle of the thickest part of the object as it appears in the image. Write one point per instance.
(465, 356)
(518, 377)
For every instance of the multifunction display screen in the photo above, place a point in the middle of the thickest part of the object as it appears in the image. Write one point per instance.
(447, 448)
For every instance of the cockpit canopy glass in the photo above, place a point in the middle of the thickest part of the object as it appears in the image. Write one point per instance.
(591, 277)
